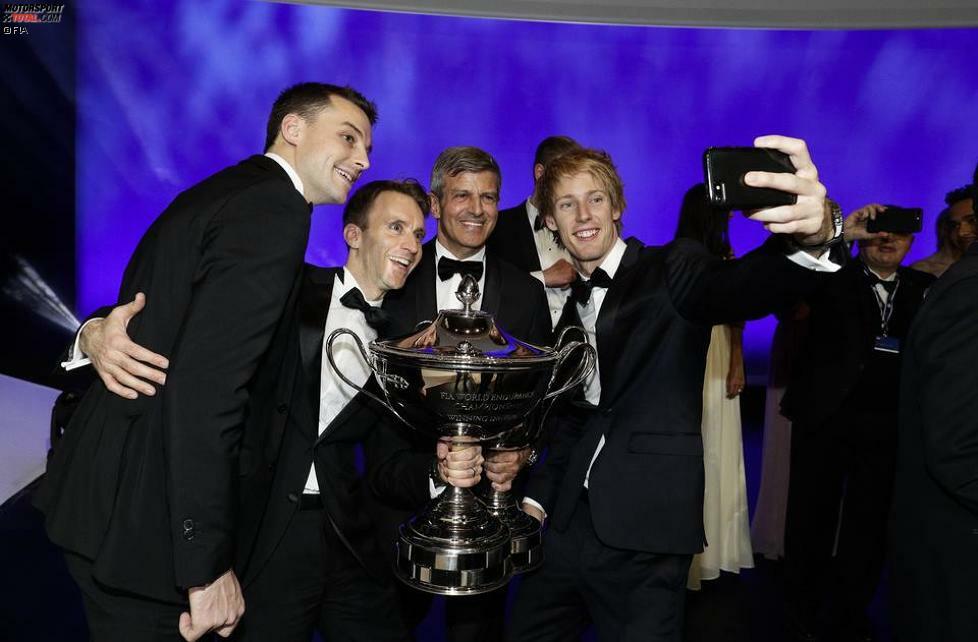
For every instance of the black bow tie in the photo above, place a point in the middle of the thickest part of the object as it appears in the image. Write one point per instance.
(581, 289)
(449, 267)
(889, 286)
(376, 317)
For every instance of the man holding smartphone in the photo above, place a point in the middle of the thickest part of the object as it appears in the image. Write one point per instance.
(842, 402)
(622, 484)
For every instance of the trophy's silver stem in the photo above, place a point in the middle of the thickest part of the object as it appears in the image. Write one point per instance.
(526, 549)
(454, 546)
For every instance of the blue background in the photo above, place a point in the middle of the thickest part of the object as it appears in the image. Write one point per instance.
(170, 94)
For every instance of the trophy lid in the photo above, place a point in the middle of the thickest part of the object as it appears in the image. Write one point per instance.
(465, 339)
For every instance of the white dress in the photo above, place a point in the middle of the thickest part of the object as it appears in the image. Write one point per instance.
(725, 514)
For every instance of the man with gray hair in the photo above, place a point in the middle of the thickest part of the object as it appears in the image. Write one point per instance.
(465, 184)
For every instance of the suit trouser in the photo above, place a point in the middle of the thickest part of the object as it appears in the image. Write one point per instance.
(313, 582)
(468, 618)
(628, 595)
(117, 616)
(838, 505)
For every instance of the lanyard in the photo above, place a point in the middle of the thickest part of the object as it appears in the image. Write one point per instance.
(886, 308)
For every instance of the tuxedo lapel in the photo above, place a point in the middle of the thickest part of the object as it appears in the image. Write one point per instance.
(317, 288)
(491, 295)
(426, 299)
(609, 339)
(526, 240)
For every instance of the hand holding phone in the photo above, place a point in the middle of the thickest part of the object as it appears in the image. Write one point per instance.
(807, 218)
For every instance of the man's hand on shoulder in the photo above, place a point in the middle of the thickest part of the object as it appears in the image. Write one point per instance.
(123, 365)
(809, 220)
(216, 607)
(559, 275)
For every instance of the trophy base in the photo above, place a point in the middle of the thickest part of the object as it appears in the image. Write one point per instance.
(454, 547)
(526, 550)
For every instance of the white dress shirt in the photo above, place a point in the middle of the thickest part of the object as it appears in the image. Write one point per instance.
(445, 290)
(333, 393)
(549, 252)
(77, 358)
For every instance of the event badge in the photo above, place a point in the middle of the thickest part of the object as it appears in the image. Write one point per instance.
(887, 344)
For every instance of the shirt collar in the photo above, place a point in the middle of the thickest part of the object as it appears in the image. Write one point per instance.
(532, 212)
(440, 251)
(296, 181)
(613, 259)
(892, 277)
(347, 282)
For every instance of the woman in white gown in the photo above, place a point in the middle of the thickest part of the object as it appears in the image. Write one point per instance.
(725, 515)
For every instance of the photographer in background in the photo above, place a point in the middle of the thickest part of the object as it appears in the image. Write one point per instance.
(956, 230)
(842, 401)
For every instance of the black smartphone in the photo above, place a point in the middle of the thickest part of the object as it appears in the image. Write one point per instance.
(724, 169)
(899, 220)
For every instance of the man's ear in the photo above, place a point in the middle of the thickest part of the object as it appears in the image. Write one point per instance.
(537, 171)
(353, 235)
(549, 221)
(292, 128)
(435, 205)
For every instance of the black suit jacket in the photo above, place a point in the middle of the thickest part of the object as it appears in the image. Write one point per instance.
(147, 488)
(935, 510)
(512, 239)
(838, 357)
(653, 331)
(283, 440)
(398, 467)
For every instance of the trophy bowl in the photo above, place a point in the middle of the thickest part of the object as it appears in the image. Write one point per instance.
(463, 379)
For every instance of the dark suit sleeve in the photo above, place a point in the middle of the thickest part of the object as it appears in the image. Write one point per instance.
(252, 252)
(564, 434)
(947, 353)
(706, 289)
(398, 465)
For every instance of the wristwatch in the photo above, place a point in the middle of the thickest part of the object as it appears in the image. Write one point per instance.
(837, 230)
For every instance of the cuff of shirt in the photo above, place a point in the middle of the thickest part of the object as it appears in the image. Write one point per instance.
(77, 358)
(809, 262)
(535, 504)
(538, 275)
(435, 490)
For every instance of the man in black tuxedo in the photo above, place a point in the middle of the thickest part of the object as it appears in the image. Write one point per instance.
(521, 238)
(934, 525)
(622, 483)
(465, 183)
(842, 402)
(142, 492)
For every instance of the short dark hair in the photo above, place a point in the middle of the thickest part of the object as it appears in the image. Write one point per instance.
(553, 146)
(958, 195)
(307, 99)
(457, 160)
(358, 207)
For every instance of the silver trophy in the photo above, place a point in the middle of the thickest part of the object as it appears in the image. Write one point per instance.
(461, 378)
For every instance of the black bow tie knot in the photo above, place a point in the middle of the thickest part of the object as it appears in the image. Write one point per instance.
(889, 286)
(581, 288)
(447, 268)
(376, 317)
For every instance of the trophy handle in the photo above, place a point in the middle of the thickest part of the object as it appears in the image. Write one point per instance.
(581, 372)
(570, 328)
(335, 334)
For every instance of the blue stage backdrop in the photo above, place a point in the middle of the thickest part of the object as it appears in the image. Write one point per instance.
(168, 93)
